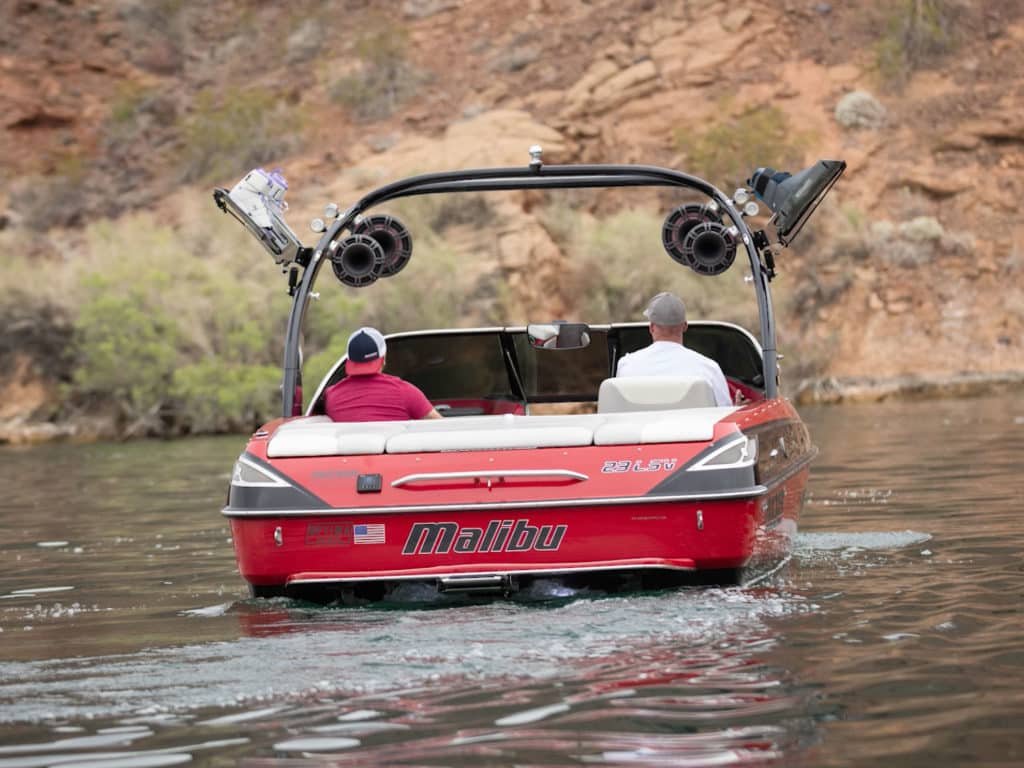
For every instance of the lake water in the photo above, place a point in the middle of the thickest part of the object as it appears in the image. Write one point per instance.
(895, 636)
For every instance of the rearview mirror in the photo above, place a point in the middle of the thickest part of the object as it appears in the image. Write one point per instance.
(558, 335)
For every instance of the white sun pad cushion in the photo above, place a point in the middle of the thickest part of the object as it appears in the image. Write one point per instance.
(473, 433)
(319, 436)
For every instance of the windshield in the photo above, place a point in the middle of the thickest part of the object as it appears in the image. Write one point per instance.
(563, 375)
(453, 365)
(482, 369)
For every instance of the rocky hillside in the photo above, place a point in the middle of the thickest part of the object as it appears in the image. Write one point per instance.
(910, 278)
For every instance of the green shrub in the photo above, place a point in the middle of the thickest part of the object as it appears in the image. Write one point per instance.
(561, 221)
(437, 289)
(197, 333)
(228, 133)
(728, 152)
(431, 291)
(429, 217)
(128, 98)
(59, 199)
(816, 276)
(316, 366)
(36, 329)
(218, 396)
(385, 79)
(126, 350)
(915, 32)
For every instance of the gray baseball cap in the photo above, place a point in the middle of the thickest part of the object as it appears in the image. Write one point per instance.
(666, 309)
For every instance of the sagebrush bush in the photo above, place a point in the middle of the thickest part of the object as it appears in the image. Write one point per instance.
(186, 322)
(126, 350)
(59, 199)
(729, 151)
(915, 32)
(236, 129)
(127, 100)
(36, 330)
(819, 272)
(218, 396)
(385, 80)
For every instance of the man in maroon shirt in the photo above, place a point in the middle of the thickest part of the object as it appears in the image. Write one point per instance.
(366, 394)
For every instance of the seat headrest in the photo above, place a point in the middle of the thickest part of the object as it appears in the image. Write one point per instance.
(653, 393)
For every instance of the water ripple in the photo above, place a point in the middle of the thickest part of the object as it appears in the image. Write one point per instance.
(892, 637)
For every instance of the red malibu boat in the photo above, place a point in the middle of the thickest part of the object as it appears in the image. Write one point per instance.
(654, 486)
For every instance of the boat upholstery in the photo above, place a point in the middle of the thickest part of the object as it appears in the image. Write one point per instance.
(506, 437)
(653, 393)
(670, 426)
(319, 436)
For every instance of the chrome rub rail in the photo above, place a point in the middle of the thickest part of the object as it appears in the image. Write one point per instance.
(489, 475)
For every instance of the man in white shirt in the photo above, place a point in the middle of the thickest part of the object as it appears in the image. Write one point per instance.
(667, 356)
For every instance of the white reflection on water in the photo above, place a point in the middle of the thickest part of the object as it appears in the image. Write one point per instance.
(532, 715)
(323, 744)
(809, 544)
(75, 752)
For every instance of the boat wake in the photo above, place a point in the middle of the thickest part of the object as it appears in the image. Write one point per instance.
(808, 544)
(288, 649)
(547, 633)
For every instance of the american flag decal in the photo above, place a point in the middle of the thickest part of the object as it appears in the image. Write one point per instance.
(371, 533)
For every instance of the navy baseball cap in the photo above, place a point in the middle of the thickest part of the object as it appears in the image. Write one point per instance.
(366, 350)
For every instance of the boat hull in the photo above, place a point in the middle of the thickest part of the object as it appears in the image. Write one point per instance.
(489, 531)
(726, 535)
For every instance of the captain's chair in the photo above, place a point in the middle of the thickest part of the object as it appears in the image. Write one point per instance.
(653, 393)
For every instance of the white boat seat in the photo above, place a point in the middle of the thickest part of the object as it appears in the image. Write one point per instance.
(653, 393)
(495, 432)
(674, 426)
(319, 436)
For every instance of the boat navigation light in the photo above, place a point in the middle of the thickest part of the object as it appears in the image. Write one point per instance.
(739, 452)
(792, 198)
(535, 156)
(246, 474)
